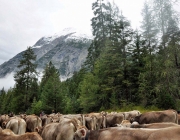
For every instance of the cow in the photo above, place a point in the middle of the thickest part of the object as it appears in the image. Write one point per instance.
(17, 125)
(80, 117)
(113, 119)
(95, 121)
(131, 114)
(3, 118)
(157, 116)
(124, 123)
(7, 134)
(46, 120)
(153, 125)
(179, 119)
(91, 122)
(64, 130)
(116, 133)
(33, 121)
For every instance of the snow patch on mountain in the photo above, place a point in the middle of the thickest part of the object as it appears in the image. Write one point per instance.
(71, 33)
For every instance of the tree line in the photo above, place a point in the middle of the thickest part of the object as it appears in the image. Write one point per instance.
(123, 67)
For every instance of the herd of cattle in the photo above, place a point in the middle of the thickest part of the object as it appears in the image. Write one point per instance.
(132, 125)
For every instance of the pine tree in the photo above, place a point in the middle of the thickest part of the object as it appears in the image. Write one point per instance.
(100, 32)
(139, 52)
(24, 79)
(163, 10)
(149, 28)
(50, 89)
(2, 99)
(89, 89)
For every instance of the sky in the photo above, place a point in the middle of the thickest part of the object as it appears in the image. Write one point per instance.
(24, 22)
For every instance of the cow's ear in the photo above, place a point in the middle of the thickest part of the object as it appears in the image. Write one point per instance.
(37, 129)
(4, 124)
(83, 132)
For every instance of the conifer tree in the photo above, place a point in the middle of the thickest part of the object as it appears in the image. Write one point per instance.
(2, 98)
(163, 10)
(149, 28)
(99, 32)
(50, 89)
(24, 78)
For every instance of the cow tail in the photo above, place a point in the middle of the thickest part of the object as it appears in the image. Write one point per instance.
(104, 121)
(83, 120)
(176, 118)
(74, 122)
(19, 129)
(39, 124)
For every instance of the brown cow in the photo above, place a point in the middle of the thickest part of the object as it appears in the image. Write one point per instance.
(91, 122)
(46, 120)
(33, 121)
(179, 119)
(64, 130)
(113, 119)
(17, 125)
(80, 117)
(116, 133)
(7, 134)
(157, 116)
(99, 120)
(153, 125)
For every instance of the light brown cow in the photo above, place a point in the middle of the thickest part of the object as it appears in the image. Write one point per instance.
(33, 121)
(17, 125)
(116, 133)
(3, 118)
(131, 114)
(124, 123)
(157, 116)
(7, 134)
(64, 130)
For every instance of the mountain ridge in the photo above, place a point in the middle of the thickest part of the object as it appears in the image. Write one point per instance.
(67, 50)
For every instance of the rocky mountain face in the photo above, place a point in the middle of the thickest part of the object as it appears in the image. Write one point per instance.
(67, 50)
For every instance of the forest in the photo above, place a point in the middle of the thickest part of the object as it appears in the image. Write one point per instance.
(124, 67)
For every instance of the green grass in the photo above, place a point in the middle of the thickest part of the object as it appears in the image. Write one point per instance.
(132, 107)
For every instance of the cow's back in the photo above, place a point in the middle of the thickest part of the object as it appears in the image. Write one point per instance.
(157, 116)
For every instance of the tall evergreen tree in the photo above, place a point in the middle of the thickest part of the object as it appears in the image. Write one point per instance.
(99, 31)
(149, 28)
(50, 89)
(2, 99)
(24, 79)
(163, 10)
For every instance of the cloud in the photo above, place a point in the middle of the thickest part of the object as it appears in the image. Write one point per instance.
(7, 81)
(23, 22)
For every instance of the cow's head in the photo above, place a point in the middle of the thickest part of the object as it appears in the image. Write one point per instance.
(4, 124)
(80, 134)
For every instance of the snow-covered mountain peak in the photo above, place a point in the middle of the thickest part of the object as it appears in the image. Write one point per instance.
(72, 33)
(75, 33)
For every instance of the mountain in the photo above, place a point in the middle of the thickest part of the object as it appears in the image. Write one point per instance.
(67, 50)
